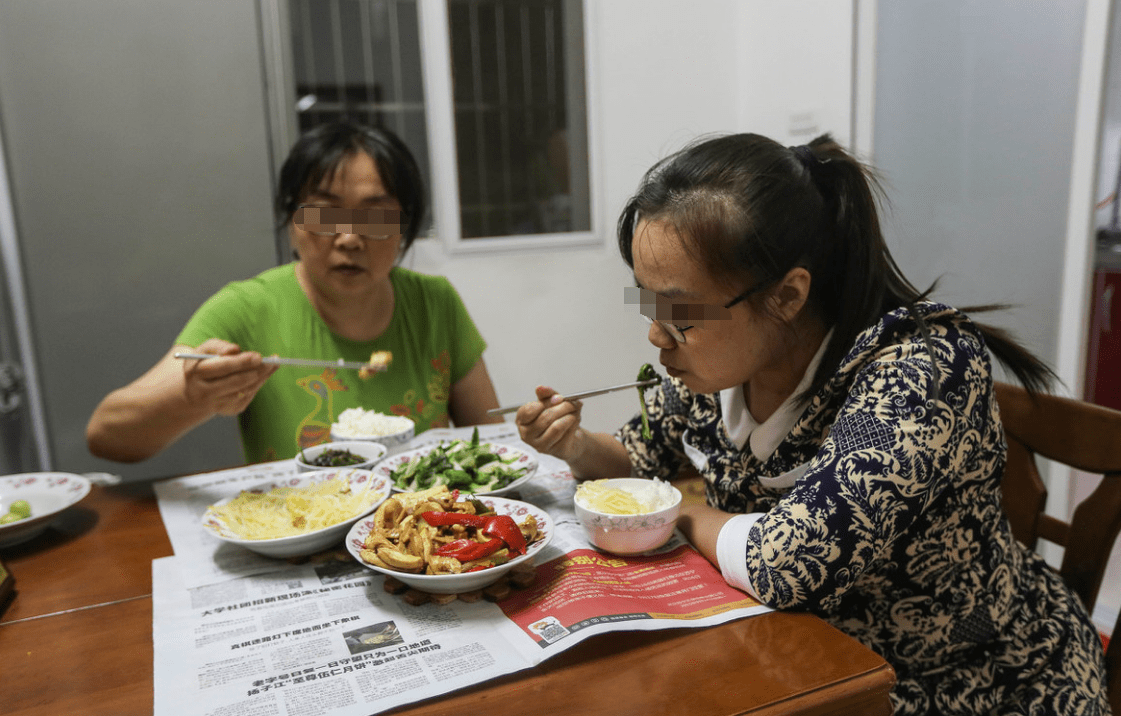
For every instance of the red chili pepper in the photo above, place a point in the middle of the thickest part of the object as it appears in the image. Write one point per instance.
(504, 527)
(470, 551)
(450, 549)
(501, 526)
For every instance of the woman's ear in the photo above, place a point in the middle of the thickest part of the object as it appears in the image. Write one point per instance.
(790, 295)
(292, 240)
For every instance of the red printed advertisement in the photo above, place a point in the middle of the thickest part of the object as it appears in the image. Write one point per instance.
(586, 588)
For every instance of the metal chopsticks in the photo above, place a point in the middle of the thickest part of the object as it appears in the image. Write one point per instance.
(585, 394)
(274, 360)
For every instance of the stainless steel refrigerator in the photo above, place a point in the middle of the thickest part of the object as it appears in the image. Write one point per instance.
(138, 167)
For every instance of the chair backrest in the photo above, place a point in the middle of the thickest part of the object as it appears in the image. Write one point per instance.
(1083, 436)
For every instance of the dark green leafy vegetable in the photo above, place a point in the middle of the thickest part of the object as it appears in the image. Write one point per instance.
(333, 458)
(646, 372)
(470, 466)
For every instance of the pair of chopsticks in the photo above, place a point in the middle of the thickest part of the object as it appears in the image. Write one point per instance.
(273, 360)
(585, 394)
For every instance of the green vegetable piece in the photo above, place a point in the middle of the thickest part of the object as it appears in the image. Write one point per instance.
(20, 508)
(475, 437)
(646, 372)
(480, 508)
(9, 518)
(458, 478)
(485, 459)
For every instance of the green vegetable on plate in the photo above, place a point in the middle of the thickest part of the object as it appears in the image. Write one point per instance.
(18, 510)
(464, 465)
(646, 372)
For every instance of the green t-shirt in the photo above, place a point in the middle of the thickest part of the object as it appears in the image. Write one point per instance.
(433, 340)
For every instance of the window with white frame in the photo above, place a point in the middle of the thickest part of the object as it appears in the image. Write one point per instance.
(488, 94)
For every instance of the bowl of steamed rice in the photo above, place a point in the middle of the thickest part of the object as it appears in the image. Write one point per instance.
(627, 515)
(393, 431)
(298, 515)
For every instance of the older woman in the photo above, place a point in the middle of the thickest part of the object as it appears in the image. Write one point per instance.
(353, 201)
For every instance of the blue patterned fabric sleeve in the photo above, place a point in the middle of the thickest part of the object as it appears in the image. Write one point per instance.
(890, 452)
(667, 408)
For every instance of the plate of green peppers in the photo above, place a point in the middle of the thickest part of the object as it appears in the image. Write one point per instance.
(470, 466)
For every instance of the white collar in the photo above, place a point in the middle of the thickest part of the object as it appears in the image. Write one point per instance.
(765, 437)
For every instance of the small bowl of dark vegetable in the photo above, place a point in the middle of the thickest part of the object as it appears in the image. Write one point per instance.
(362, 454)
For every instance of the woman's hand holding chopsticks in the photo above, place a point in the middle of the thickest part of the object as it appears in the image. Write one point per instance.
(551, 424)
(227, 383)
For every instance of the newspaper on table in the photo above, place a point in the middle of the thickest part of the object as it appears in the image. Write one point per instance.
(324, 637)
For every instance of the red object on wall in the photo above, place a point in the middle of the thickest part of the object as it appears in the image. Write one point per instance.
(1103, 357)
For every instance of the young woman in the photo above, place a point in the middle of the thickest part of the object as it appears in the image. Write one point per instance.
(353, 201)
(845, 426)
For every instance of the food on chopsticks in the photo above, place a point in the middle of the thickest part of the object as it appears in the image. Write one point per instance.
(288, 511)
(359, 423)
(333, 458)
(435, 532)
(18, 510)
(599, 496)
(467, 465)
(379, 361)
(646, 372)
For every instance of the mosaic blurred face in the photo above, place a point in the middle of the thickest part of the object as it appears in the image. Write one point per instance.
(347, 231)
(726, 342)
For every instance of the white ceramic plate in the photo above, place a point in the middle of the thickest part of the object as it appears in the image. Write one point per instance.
(375, 487)
(523, 460)
(48, 493)
(467, 581)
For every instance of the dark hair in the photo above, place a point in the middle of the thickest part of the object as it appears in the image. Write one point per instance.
(316, 157)
(750, 210)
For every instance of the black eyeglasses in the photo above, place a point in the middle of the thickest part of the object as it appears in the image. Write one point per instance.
(673, 317)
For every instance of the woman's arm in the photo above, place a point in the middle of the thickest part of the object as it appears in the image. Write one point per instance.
(701, 525)
(472, 396)
(137, 421)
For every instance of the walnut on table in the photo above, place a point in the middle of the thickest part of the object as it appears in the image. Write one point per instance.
(519, 577)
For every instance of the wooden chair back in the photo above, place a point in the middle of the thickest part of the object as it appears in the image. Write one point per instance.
(1083, 436)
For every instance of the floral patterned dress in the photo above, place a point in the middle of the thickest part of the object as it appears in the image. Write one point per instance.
(895, 532)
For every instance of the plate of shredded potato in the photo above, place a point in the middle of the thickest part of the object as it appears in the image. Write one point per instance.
(296, 516)
(443, 542)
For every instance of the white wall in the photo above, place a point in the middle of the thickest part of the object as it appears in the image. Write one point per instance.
(661, 72)
(796, 69)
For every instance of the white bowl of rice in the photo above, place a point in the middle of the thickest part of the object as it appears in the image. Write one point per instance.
(627, 515)
(392, 431)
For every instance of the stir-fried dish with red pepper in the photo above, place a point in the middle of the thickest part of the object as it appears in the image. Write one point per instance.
(436, 532)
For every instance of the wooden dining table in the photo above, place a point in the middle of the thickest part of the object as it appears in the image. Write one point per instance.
(76, 638)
